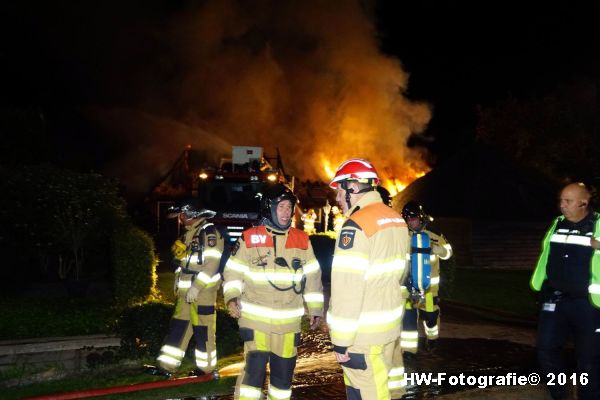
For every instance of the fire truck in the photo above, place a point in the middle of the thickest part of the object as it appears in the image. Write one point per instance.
(232, 188)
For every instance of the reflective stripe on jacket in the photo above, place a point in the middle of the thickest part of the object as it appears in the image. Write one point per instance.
(369, 267)
(207, 268)
(275, 274)
(539, 274)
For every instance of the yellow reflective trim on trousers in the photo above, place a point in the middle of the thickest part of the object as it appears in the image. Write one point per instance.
(179, 304)
(249, 392)
(274, 393)
(260, 339)
(380, 373)
(288, 345)
(194, 318)
(429, 301)
(346, 380)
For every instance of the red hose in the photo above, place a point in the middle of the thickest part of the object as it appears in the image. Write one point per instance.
(125, 388)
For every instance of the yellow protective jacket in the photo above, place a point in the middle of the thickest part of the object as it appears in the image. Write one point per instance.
(369, 267)
(440, 249)
(203, 272)
(275, 275)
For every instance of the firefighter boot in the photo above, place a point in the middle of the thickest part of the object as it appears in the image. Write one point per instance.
(196, 372)
(157, 371)
(431, 344)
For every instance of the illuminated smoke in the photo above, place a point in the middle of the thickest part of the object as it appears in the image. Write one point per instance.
(304, 76)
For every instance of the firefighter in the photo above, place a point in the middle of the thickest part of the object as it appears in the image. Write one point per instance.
(196, 256)
(309, 219)
(567, 276)
(368, 269)
(427, 248)
(270, 278)
(338, 218)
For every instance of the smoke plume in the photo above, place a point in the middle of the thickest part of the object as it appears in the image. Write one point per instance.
(306, 77)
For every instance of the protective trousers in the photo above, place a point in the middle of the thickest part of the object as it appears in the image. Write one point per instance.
(198, 319)
(557, 322)
(396, 375)
(429, 313)
(366, 373)
(260, 348)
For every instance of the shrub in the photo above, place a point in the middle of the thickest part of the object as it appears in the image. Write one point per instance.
(447, 276)
(133, 264)
(142, 329)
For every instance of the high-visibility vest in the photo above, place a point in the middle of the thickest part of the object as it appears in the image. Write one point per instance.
(539, 274)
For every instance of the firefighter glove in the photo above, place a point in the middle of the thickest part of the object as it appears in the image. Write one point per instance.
(178, 249)
(192, 294)
(233, 306)
(437, 249)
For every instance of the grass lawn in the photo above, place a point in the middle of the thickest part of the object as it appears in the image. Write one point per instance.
(120, 376)
(507, 291)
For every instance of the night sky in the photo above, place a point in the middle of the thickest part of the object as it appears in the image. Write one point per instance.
(61, 59)
(461, 55)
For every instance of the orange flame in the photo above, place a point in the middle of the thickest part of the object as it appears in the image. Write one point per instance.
(329, 171)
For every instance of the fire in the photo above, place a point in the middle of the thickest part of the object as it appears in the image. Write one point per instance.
(329, 171)
(394, 186)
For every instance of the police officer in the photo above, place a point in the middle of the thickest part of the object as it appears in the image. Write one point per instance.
(567, 276)
(369, 266)
(196, 257)
(269, 279)
(427, 248)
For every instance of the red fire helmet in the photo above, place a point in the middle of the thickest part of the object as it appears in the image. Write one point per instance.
(355, 169)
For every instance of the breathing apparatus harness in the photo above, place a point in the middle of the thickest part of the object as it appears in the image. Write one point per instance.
(419, 277)
(196, 247)
(297, 287)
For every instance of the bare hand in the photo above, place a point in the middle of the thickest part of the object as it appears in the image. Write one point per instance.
(234, 308)
(595, 243)
(342, 358)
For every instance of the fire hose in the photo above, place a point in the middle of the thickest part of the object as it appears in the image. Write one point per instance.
(81, 394)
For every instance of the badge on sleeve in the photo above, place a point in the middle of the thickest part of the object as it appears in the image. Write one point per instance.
(346, 239)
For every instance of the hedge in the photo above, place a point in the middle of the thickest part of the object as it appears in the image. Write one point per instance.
(134, 264)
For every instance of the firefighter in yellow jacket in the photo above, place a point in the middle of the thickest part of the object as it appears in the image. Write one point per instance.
(269, 279)
(367, 300)
(197, 279)
(427, 249)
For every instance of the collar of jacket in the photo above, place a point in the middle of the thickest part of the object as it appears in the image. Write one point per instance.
(368, 199)
(273, 231)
